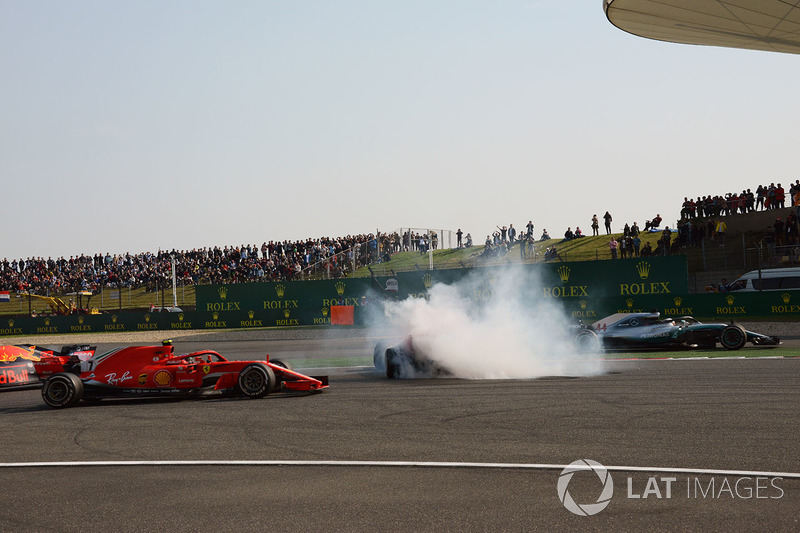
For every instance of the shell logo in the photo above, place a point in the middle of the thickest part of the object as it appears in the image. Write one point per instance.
(162, 378)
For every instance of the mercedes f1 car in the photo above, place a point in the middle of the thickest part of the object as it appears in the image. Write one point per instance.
(17, 370)
(153, 371)
(648, 331)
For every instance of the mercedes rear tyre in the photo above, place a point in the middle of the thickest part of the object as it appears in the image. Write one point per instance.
(587, 341)
(256, 381)
(62, 390)
(733, 337)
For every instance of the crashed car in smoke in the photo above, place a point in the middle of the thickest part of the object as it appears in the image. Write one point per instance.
(17, 362)
(155, 371)
(405, 360)
(648, 331)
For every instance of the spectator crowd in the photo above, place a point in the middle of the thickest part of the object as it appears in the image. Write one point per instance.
(770, 196)
(271, 261)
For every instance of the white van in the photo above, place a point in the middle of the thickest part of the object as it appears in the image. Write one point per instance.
(768, 279)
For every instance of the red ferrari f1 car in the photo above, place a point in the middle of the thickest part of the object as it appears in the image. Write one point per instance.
(17, 370)
(148, 371)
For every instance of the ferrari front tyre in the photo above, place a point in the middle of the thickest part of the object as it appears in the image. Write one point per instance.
(278, 376)
(733, 337)
(587, 341)
(256, 381)
(62, 390)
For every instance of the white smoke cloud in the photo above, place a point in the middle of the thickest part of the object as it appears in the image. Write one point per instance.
(492, 325)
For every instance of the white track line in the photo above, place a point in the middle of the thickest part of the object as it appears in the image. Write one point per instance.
(402, 464)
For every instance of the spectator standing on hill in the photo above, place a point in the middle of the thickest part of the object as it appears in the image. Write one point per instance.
(595, 226)
(459, 233)
(760, 197)
(529, 228)
(503, 233)
(636, 242)
(512, 234)
(607, 218)
(666, 238)
(623, 247)
(635, 230)
(688, 210)
(770, 201)
(780, 197)
(612, 245)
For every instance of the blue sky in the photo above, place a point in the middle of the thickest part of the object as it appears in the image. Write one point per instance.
(133, 126)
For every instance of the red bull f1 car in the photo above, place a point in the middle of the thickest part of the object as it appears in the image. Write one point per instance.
(648, 331)
(405, 360)
(153, 371)
(17, 363)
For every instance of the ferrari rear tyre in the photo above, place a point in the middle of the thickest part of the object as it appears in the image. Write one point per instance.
(62, 390)
(733, 337)
(256, 381)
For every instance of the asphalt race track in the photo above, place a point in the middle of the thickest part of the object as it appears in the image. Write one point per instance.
(371, 454)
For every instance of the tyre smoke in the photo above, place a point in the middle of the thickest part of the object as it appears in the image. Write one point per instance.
(492, 325)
